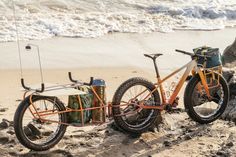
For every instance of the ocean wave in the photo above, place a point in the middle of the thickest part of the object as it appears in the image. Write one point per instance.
(39, 19)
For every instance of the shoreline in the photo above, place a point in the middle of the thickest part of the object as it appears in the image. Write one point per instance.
(113, 50)
(115, 33)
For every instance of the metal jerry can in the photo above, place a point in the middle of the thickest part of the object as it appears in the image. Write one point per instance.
(99, 99)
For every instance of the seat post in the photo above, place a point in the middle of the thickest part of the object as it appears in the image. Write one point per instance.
(156, 69)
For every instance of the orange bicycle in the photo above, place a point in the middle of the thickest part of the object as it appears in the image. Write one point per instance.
(137, 102)
(43, 115)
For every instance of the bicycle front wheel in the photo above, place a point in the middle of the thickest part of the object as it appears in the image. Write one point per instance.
(197, 104)
(127, 113)
(35, 133)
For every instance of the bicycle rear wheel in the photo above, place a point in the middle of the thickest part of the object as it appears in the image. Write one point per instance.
(37, 134)
(126, 111)
(197, 104)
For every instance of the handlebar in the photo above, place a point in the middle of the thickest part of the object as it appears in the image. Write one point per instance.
(28, 88)
(184, 52)
(76, 81)
(193, 55)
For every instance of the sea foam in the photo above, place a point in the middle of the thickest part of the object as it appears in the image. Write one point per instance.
(39, 19)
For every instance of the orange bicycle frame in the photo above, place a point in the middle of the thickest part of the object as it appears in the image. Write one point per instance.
(192, 65)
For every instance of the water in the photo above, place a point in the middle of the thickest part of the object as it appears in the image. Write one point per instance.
(40, 19)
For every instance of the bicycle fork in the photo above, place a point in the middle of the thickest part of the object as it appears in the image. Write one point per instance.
(204, 83)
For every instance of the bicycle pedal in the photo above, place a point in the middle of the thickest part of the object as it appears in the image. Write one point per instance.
(170, 109)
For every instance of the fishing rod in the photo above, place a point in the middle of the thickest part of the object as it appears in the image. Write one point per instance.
(28, 47)
(17, 37)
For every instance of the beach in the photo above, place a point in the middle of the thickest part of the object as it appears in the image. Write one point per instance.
(107, 39)
(115, 58)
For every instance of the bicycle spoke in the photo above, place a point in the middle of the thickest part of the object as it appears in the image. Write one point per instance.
(37, 131)
(207, 108)
(135, 96)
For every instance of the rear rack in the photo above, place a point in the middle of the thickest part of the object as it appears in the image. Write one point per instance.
(74, 83)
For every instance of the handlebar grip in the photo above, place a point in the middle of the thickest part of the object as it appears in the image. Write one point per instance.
(179, 51)
(184, 52)
(23, 84)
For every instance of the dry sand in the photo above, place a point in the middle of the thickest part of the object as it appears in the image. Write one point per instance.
(115, 58)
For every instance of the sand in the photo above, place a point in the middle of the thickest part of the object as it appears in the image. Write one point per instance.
(115, 58)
